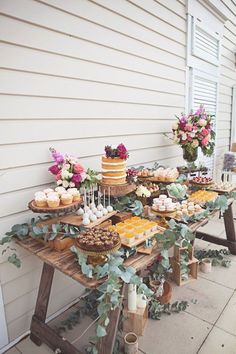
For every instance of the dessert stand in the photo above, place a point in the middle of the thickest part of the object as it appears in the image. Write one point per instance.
(61, 209)
(117, 190)
(98, 257)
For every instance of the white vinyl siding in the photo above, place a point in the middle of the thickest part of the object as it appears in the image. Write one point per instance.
(78, 75)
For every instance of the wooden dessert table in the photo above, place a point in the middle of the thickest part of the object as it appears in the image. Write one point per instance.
(66, 263)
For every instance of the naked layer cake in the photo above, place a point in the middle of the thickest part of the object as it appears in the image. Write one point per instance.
(98, 239)
(114, 165)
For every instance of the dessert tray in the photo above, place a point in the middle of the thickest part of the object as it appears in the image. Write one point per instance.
(158, 180)
(141, 240)
(201, 181)
(77, 220)
(222, 187)
(61, 208)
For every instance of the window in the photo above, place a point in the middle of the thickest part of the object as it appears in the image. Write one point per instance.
(205, 31)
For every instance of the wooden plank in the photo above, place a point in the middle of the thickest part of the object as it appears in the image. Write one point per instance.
(106, 344)
(51, 338)
(41, 307)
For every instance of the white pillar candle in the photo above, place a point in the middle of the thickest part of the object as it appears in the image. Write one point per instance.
(132, 297)
(141, 301)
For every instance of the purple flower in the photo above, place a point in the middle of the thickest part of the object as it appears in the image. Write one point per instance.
(54, 169)
(76, 178)
(58, 157)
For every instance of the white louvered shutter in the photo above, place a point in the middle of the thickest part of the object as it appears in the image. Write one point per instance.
(205, 43)
(204, 91)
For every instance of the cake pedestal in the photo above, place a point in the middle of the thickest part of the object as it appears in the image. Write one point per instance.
(95, 257)
(117, 190)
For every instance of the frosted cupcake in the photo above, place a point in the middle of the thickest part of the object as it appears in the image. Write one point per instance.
(41, 201)
(48, 190)
(66, 198)
(60, 190)
(75, 194)
(39, 194)
(53, 201)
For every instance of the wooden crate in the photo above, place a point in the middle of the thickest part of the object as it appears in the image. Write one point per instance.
(135, 321)
(193, 271)
(179, 250)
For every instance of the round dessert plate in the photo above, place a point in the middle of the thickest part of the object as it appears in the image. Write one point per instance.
(165, 213)
(62, 208)
(155, 180)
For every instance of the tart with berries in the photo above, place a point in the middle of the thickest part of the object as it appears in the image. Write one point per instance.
(202, 180)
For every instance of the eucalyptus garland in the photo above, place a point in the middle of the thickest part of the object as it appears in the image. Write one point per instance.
(34, 230)
(109, 291)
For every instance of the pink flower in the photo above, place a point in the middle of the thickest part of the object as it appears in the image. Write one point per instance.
(123, 153)
(76, 178)
(78, 168)
(189, 138)
(58, 157)
(204, 141)
(54, 169)
(195, 143)
(204, 132)
(58, 176)
(189, 127)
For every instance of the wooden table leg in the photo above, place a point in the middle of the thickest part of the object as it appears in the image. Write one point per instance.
(106, 344)
(42, 300)
(230, 229)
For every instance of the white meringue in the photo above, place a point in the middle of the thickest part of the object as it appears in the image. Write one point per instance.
(100, 207)
(86, 221)
(109, 208)
(92, 217)
(99, 214)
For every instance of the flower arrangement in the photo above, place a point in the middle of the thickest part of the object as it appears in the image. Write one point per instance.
(142, 191)
(120, 151)
(132, 175)
(69, 173)
(195, 130)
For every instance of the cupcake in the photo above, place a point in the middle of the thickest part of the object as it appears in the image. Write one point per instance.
(41, 200)
(75, 194)
(39, 194)
(66, 198)
(60, 190)
(53, 201)
(48, 190)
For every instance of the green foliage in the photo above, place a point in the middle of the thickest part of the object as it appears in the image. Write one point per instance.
(91, 179)
(221, 203)
(156, 310)
(176, 234)
(217, 256)
(128, 203)
(32, 229)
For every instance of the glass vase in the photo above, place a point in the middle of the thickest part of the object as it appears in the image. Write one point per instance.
(190, 155)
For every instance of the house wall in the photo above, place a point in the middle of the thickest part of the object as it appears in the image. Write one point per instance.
(77, 75)
(227, 78)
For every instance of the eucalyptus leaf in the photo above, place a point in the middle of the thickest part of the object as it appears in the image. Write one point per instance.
(101, 331)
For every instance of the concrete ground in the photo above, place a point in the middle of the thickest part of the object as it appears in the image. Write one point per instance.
(207, 327)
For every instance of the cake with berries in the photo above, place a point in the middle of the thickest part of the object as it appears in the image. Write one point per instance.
(114, 164)
(98, 240)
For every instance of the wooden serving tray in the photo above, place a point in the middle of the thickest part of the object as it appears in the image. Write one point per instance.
(139, 241)
(201, 184)
(62, 208)
(221, 191)
(172, 215)
(76, 220)
(155, 180)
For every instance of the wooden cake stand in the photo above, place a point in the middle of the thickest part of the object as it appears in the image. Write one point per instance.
(117, 190)
(61, 209)
(96, 257)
